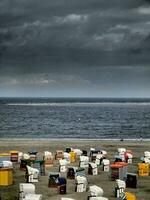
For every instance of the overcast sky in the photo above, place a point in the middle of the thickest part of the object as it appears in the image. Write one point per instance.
(76, 48)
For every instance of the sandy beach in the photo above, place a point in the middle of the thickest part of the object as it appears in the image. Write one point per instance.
(142, 191)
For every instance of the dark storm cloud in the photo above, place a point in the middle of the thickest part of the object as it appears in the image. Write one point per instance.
(73, 37)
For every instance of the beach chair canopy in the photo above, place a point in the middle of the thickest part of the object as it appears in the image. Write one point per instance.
(121, 150)
(33, 171)
(120, 183)
(81, 179)
(26, 156)
(26, 188)
(93, 165)
(147, 154)
(84, 158)
(96, 191)
(106, 162)
(63, 162)
(47, 153)
(7, 164)
(78, 152)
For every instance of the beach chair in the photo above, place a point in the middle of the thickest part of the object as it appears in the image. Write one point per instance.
(63, 165)
(71, 172)
(119, 189)
(93, 153)
(99, 158)
(118, 170)
(121, 152)
(147, 154)
(73, 156)
(59, 155)
(6, 176)
(92, 169)
(53, 179)
(81, 184)
(84, 161)
(62, 185)
(67, 157)
(14, 156)
(130, 196)
(131, 180)
(33, 154)
(128, 156)
(143, 169)
(48, 159)
(106, 165)
(32, 174)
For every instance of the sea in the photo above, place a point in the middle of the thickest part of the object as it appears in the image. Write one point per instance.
(75, 118)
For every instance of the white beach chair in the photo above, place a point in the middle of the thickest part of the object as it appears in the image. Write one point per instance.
(81, 183)
(106, 165)
(63, 165)
(92, 168)
(32, 174)
(84, 161)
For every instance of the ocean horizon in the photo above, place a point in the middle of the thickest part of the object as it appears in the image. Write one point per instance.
(75, 118)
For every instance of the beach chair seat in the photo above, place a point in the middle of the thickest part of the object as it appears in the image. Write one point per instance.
(33, 197)
(32, 174)
(66, 198)
(97, 198)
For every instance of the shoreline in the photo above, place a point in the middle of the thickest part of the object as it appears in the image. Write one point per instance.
(77, 139)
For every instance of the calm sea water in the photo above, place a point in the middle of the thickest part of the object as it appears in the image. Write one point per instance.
(74, 118)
